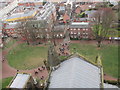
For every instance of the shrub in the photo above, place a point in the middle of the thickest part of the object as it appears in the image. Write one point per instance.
(111, 82)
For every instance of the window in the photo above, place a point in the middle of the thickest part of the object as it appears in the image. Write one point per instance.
(47, 35)
(35, 26)
(38, 36)
(61, 35)
(86, 36)
(71, 36)
(75, 36)
(41, 36)
(83, 33)
(46, 30)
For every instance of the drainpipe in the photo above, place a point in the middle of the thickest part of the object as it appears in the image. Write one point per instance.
(99, 62)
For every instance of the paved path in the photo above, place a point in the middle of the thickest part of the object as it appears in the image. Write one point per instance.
(63, 47)
(107, 77)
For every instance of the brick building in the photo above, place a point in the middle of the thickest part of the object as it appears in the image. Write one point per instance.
(80, 30)
(10, 29)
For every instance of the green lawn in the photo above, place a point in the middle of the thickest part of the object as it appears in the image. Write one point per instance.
(27, 57)
(109, 54)
(6, 81)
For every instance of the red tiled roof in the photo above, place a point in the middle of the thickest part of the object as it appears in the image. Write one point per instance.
(77, 10)
(84, 7)
(62, 4)
(66, 17)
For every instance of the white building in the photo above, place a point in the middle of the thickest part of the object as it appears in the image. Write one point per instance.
(8, 8)
(47, 11)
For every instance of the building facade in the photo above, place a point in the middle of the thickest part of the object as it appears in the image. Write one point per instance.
(80, 30)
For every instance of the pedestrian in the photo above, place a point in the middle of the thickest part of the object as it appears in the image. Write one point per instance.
(59, 54)
(43, 67)
(35, 72)
(17, 70)
(3, 60)
(40, 69)
(42, 77)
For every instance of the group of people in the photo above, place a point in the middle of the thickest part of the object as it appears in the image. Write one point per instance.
(40, 69)
(64, 48)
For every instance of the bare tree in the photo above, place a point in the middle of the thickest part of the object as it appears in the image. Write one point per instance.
(53, 59)
(103, 20)
(33, 30)
(53, 22)
(22, 31)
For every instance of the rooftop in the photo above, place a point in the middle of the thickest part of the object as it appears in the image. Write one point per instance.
(22, 15)
(46, 11)
(20, 81)
(75, 73)
(11, 25)
(79, 23)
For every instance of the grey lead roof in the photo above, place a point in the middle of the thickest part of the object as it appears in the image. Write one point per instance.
(75, 73)
(79, 26)
(20, 81)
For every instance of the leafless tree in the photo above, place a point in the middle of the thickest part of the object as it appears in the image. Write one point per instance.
(26, 31)
(53, 59)
(103, 20)
(53, 22)
(22, 31)
(33, 31)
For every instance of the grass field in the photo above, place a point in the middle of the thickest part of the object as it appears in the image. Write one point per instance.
(27, 57)
(109, 54)
(6, 81)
